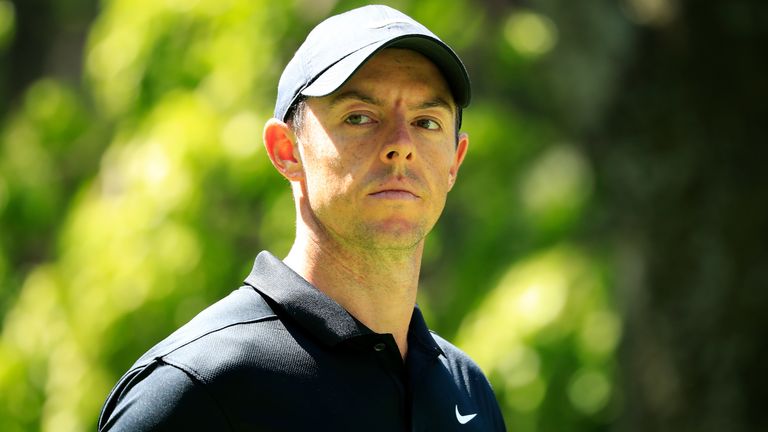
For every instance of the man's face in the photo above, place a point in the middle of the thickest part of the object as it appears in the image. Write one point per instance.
(380, 153)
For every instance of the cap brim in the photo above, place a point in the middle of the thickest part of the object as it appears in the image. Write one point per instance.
(443, 57)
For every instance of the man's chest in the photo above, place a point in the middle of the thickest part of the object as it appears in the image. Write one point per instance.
(348, 391)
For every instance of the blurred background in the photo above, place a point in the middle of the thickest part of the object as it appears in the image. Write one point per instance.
(603, 256)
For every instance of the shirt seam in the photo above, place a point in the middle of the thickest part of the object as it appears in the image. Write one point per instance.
(218, 329)
(198, 380)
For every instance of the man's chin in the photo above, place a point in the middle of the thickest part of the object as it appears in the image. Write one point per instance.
(396, 235)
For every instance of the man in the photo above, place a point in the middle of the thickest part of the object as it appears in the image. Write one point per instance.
(366, 132)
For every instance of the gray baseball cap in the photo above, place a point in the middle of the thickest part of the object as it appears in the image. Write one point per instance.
(337, 47)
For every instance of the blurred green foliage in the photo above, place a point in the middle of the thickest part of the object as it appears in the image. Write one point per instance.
(137, 193)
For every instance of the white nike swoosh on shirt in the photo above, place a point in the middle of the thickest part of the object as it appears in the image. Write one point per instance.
(463, 419)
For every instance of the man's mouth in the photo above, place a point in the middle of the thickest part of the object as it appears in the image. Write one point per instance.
(395, 194)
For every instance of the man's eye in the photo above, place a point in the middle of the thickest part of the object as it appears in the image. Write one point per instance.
(428, 124)
(358, 119)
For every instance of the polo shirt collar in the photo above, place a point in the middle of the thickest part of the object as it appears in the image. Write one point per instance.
(315, 311)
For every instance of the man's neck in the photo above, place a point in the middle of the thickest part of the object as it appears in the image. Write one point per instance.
(376, 287)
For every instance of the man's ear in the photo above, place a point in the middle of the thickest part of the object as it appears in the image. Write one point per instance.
(280, 142)
(461, 151)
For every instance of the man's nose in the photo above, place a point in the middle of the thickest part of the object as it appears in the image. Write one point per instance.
(399, 146)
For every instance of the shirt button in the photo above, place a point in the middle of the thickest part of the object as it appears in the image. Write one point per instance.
(379, 347)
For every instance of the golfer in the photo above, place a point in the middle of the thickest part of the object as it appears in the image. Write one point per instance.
(366, 131)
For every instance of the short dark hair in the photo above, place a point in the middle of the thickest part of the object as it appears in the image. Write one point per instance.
(295, 117)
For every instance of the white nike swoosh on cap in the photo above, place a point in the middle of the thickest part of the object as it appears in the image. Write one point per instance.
(386, 23)
(463, 419)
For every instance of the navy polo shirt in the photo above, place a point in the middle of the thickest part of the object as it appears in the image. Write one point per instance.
(279, 355)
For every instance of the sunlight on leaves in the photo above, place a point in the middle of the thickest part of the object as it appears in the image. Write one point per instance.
(530, 33)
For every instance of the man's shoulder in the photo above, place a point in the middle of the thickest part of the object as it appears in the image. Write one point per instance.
(452, 352)
(458, 362)
(184, 360)
(241, 307)
(468, 375)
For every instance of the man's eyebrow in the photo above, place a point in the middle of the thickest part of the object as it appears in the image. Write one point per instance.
(355, 96)
(437, 102)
